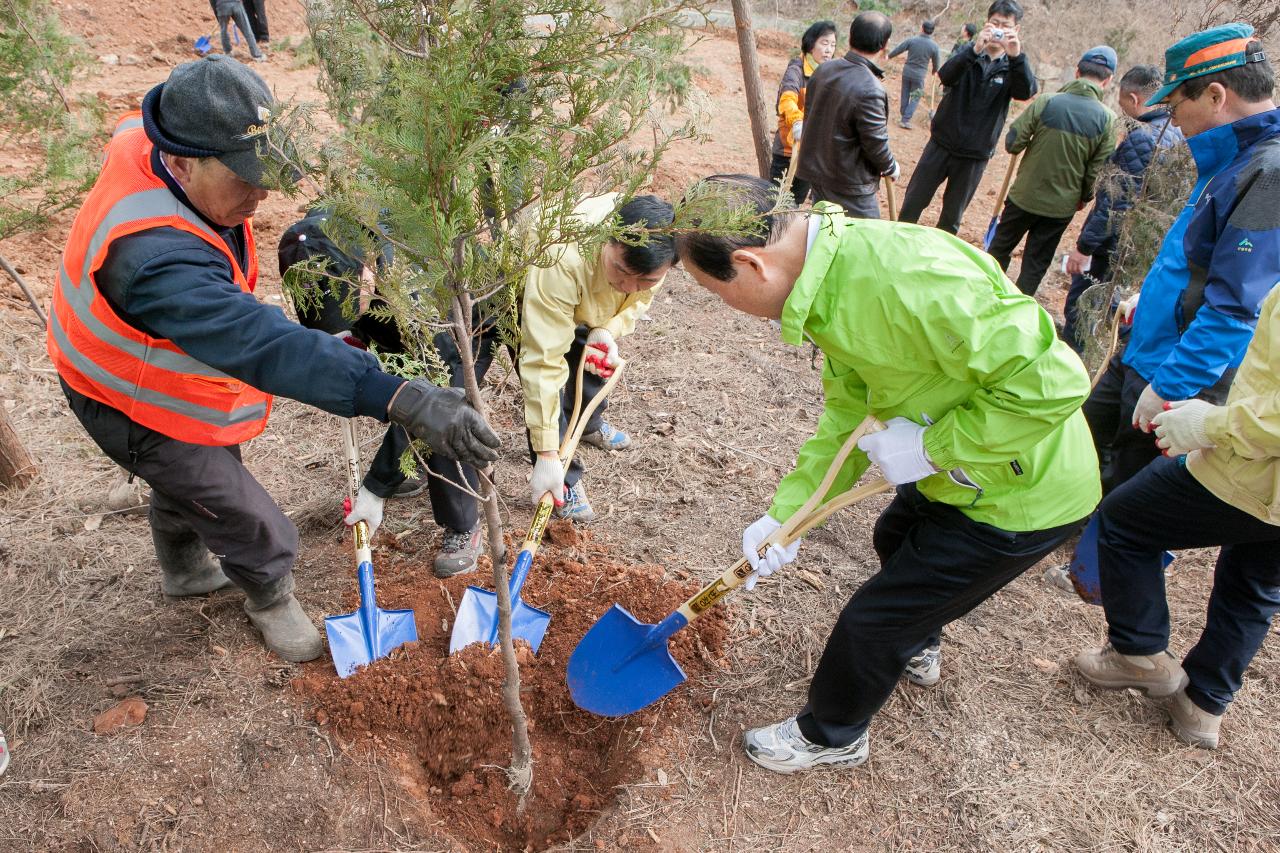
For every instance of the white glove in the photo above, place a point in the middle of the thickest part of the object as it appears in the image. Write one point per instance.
(893, 175)
(1180, 427)
(1149, 405)
(368, 509)
(610, 355)
(774, 558)
(548, 476)
(898, 450)
(796, 130)
(1127, 307)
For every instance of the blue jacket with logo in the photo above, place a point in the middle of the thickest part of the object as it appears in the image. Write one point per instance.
(1220, 259)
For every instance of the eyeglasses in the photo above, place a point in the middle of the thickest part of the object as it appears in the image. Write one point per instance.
(1171, 107)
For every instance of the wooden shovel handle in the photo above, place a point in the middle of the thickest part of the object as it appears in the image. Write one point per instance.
(891, 199)
(581, 417)
(809, 516)
(1004, 186)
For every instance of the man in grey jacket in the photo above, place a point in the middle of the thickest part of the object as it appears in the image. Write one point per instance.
(846, 132)
(922, 51)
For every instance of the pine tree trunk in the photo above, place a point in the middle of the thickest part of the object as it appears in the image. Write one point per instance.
(520, 773)
(751, 84)
(16, 466)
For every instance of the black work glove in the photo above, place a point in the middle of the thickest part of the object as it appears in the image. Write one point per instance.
(442, 418)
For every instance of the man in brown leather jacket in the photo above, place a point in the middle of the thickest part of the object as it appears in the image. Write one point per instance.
(846, 130)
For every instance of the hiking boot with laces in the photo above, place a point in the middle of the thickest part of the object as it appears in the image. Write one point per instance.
(411, 487)
(607, 438)
(1159, 674)
(458, 552)
(1192, 724)
(783, 749)
(1059, 577)
(925, 669)
(576, 507)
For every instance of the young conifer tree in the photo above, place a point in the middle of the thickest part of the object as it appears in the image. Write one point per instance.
(470, 131)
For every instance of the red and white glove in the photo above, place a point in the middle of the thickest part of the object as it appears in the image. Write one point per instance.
(548, 476)
(1180, 427)
(1127, 308)
(368, 509)
(604, 364)
(898, 450)
(1149, 405)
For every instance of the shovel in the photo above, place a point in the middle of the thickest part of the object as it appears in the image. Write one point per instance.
(369, 633)
(890, 199)
(1084, 572)
(477, 618)
(1004, 193)
(623, 664)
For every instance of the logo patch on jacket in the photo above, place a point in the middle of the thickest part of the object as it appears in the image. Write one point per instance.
(1244, 246)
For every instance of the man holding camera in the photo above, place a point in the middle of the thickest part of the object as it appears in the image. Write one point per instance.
(980, 82)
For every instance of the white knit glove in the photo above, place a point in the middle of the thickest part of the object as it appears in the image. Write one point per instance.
(796, 130)
(1148, 406)
(895, 173)
(1180, 427)
(775, 557)
(1127, 307)
(898, 450)
(368, 509)
(548, 476)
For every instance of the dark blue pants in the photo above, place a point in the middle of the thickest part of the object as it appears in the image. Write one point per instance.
(936, 565)
(912, 92)
(1164, 508)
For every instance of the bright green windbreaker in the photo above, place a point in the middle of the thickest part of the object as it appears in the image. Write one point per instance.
(916, 323)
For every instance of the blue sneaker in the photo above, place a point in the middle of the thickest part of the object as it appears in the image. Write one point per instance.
(608, 438)
(576, 507)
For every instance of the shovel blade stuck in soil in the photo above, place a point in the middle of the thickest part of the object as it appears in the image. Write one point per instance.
(362, 636)
(623, 665)
(477, 621)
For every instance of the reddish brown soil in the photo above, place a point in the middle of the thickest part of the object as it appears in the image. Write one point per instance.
(447, 712)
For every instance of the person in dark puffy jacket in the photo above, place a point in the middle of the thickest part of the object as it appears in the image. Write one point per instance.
(817, 45)
(1149, 130)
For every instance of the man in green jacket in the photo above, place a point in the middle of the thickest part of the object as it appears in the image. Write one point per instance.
(985, 441)
(1067, 137)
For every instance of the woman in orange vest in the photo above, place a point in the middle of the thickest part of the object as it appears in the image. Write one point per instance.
(170, 362)
(817, 45)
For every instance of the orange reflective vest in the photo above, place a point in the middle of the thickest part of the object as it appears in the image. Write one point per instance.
(151, 380)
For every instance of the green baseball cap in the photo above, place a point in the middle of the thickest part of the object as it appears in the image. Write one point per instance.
(1206, 52)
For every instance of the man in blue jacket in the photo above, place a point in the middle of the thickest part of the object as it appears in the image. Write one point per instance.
(1221, 257)
(1149, 130)
(981, 80)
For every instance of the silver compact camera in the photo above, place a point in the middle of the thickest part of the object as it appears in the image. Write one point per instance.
(997, 35)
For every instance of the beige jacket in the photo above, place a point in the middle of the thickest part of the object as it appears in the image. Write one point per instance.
(1243, 468)
(572, 291)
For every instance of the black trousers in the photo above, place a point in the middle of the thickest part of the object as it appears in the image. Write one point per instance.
(856, 206)
(591, 385)
(936, 565)
(256, 11)
(1123, 450)
(1099, 273)
(200, 489)
(962, 174)
(1164, 507)
(1043, 234)
(778, 168)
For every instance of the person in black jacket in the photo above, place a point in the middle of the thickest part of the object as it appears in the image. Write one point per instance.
(980, 82)
(846, 135)
(1149, 131)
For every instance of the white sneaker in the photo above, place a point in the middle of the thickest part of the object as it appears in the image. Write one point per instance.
(783, 749)
(925, 669)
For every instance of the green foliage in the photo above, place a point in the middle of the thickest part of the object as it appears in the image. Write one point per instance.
(37, 61)
(473, 129)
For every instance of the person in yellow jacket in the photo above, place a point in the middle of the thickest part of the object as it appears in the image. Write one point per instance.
(817, 45)
(1224, 491)
(584, 298)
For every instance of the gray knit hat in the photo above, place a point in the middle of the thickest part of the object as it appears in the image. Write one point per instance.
(213, 107)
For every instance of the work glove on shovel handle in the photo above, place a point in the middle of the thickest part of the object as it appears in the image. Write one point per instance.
(606, 362)
(774, 557)
(547, 477)
(368, 508)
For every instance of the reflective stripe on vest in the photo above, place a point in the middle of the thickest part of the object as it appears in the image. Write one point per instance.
(131, 121)
(146, 362)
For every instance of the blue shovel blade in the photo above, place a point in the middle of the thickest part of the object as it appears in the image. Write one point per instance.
(203, 45)
(1085, 575)
(369, 633)
(991, 233)
(477, 621)
(620, 666)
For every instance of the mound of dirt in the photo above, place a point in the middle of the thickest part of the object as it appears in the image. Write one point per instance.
(445, 713)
